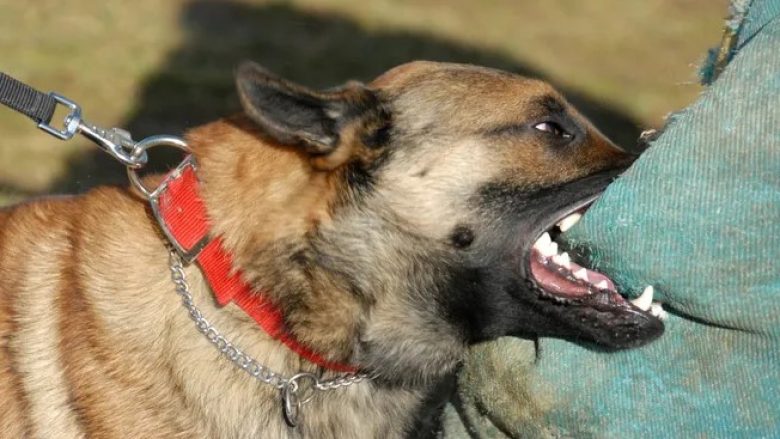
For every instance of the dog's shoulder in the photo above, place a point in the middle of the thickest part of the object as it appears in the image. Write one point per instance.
(48, 230)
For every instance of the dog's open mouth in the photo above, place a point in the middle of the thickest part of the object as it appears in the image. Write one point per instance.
(557, 274)
(591, 297)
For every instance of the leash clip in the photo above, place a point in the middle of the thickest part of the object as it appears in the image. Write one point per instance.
(41, 107)
(115, 141)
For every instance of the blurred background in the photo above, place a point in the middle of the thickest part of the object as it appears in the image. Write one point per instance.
(161, 66)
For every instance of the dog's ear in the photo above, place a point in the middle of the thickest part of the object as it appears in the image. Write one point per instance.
(291, 114)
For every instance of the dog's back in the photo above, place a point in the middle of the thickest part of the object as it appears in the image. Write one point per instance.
(12, 407)
(30, 263)
(57, 372)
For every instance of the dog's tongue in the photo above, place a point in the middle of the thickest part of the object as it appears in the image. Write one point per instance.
(566, 278)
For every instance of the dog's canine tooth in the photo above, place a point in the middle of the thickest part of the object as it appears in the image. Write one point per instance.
(567, 223)
(581, 274)
(644, 301)
(657, 310)
(552, 249)
(563, 260)
(602, 285)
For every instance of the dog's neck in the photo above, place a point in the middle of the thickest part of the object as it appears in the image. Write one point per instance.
(276, 204)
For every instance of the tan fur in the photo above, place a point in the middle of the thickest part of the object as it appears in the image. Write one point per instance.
(95, 343)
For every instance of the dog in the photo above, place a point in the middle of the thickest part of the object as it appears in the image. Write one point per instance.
(390, 225)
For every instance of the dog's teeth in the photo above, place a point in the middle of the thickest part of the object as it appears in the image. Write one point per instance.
(562, 260)
(567, 223)
(543, 242)
(602, 285)
(658, 311)
(581, 274)
(644, 301)
(546, 246)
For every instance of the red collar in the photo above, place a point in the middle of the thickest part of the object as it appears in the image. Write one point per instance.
(182, 216)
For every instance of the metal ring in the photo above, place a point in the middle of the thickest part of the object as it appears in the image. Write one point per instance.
(140, 149)
(291, 405)
(308, 394)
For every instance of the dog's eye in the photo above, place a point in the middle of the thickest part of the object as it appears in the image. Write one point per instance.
(552, 128)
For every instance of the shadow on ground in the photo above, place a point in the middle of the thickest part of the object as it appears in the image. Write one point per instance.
(195, 85)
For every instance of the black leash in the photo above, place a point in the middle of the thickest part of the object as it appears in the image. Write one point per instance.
(26, 100)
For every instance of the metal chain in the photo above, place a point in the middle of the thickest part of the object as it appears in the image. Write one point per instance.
(288, 386)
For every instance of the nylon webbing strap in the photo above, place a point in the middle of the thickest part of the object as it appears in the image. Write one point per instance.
(26, 100)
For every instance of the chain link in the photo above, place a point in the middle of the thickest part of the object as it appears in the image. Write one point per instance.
(241, 359)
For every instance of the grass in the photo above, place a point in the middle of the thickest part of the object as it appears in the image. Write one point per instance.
(161, 66)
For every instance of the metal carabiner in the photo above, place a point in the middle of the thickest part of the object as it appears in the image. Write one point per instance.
(116, 142)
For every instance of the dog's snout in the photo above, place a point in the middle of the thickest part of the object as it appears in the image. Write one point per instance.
(611, 155)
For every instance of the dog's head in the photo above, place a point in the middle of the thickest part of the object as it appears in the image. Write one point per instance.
(440, 179)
